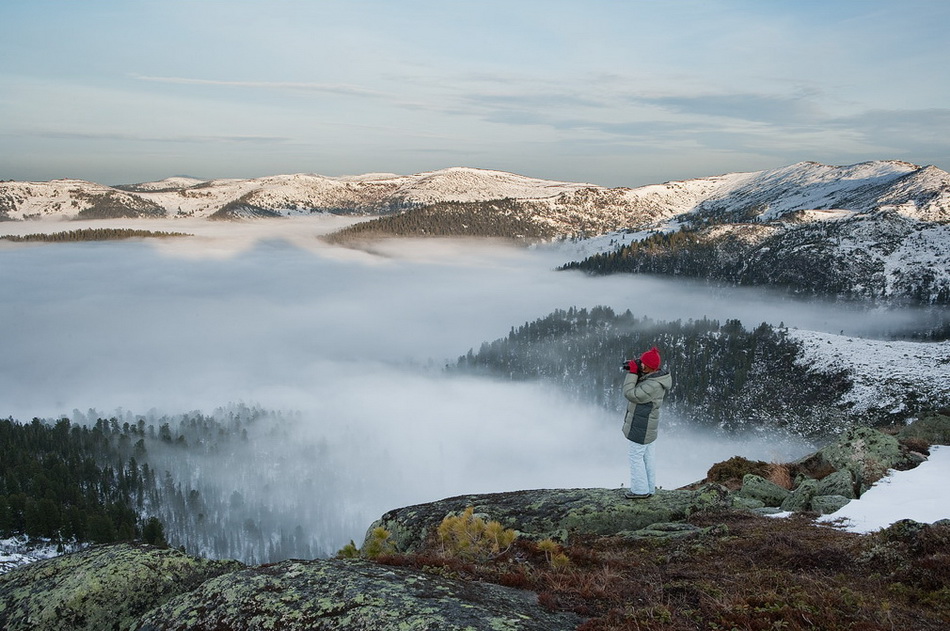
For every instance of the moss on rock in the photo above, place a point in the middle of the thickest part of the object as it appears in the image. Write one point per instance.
(758, 488)
(351, 596)
(555, 513)
(105, 587)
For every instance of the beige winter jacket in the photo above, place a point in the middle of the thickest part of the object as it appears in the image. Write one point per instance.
(645, 395)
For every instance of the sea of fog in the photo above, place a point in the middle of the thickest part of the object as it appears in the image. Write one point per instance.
(352, 343)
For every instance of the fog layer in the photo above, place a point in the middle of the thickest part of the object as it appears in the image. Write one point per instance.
(353, 343)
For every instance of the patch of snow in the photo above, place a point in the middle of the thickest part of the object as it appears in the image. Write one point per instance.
(17, 551)
(882, 370)
(917, 494)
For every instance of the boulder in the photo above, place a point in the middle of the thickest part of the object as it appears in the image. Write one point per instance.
(758, 488)
(799, 500)
(827, 504)
(838, 483)
(350, 596)
(554, 513)
(105, 587)
(867, 453)
(675, 530)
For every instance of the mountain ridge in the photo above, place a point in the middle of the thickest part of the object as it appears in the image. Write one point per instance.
(921, 192)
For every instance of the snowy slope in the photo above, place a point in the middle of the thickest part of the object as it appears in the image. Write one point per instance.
(883, 371)
(286, 194)
(919, 193)
(809, 185)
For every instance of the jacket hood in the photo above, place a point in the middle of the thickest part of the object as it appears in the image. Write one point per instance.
(663, 376)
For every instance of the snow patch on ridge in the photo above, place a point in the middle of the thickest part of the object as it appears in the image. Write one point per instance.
(883, 371)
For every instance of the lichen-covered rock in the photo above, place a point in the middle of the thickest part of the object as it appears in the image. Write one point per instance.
(105, 587)
(933, 428)
(675, 530)
(554, 513)
(867, 453)
(350, 596)
(838, 483)
(799, 500)
(758, 488)
(827, 504)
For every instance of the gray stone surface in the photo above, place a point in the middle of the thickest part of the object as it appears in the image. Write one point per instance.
(827, 504)
(838, 483)
(799, 500)
(766, 491)
(351, 596)
(933, 428)
(105, 587)
(867, 453)
(554, 513)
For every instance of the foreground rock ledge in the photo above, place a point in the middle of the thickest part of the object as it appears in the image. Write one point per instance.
(106, 587)
(556, 513)
(351, 595)
(126, 586)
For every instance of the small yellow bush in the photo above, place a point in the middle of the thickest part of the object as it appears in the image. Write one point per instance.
(553, 553)
(378, 544)
(470, 537)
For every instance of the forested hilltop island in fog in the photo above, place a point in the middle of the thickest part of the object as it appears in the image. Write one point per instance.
(214, 427)
(874, 230)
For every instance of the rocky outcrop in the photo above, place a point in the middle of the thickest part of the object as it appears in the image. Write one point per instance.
(106, 587)
(555, 513)
(350, 596)
(837, 473)
(126, 586)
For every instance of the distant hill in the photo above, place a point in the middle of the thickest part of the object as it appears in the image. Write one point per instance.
(273, 196)
(562, 208)
(876, 230)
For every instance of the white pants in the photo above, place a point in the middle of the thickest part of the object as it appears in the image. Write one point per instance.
(642, 469)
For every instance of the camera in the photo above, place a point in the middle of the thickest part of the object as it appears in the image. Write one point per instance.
(628, 366)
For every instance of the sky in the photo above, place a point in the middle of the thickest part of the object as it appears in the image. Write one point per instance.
(607, 92)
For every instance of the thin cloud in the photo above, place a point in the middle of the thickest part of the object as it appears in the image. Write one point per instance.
(775, 109)
(110, 136)
(329, 88)
(925, 126)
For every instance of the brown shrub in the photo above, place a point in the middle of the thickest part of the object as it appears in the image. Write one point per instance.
(729, 473)
(781, 475)
(750, 573)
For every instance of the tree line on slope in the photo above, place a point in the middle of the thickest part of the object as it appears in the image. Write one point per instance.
(92, 234)
(504, 218)
(845, 259)
(725, 376)
(204, 483)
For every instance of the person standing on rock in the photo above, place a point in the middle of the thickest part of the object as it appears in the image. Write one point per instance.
(644, 387)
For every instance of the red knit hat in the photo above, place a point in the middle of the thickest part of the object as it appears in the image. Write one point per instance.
(651, 359)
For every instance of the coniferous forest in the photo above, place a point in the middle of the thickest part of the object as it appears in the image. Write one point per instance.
(808, 259)
(725, 376)
(92, 234)
(504, 218)
(66, 482)
(181, 480)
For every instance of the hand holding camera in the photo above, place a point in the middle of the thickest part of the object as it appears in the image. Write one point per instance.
(632, 365)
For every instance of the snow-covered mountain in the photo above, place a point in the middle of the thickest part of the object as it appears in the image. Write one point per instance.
(278, 195)
(566, 208)
(876, 230)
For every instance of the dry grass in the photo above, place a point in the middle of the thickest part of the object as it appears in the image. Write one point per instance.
(754, 573)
